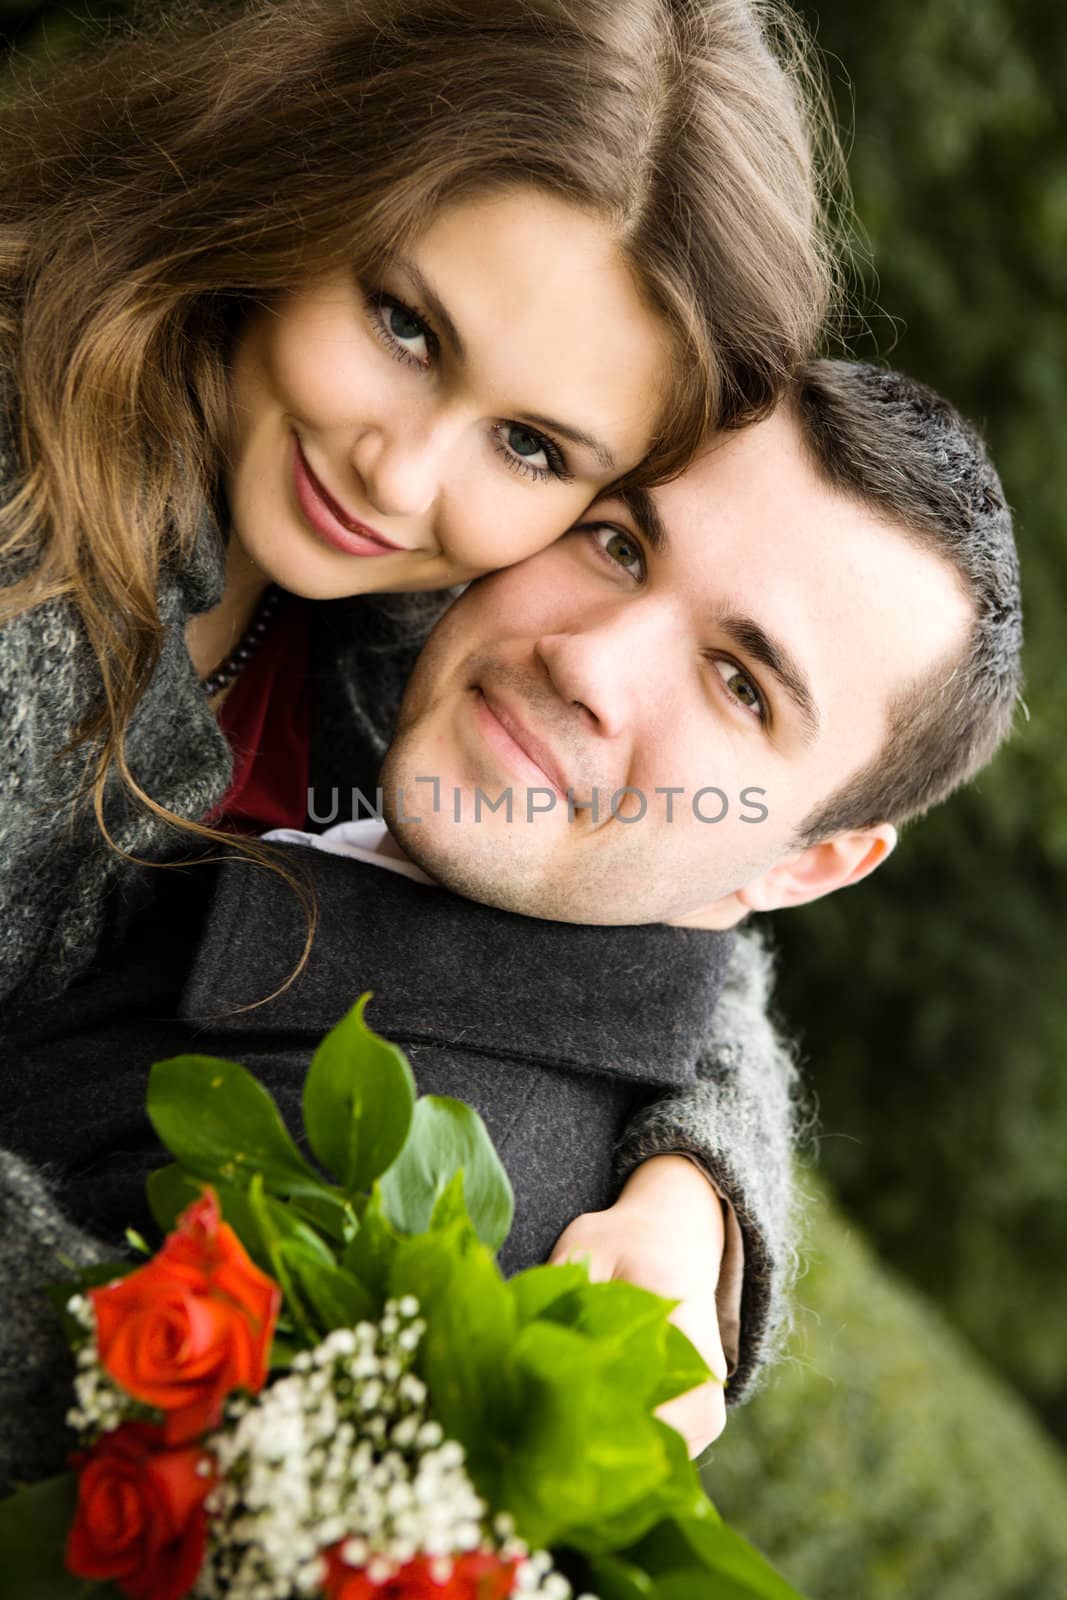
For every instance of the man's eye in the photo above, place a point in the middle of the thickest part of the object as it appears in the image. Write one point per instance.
(621, 548)
(741, 687)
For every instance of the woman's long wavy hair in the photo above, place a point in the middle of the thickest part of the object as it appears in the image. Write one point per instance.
(150, 191)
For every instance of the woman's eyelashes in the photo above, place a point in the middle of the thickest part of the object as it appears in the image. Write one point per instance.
(410, 338)
(529, 453)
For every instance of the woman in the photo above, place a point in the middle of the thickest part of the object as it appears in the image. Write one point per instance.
(215, 252)
(290, 299)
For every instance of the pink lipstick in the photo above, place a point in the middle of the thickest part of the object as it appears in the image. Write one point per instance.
(331, 521)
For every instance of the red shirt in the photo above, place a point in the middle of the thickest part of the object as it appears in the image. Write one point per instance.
(266, 718)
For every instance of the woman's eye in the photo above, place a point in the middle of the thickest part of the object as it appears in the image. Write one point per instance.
(741, 687)
(528, 446)
(622, 549)
(530, 454)
(403, 330)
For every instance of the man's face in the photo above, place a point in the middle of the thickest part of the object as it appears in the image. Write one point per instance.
(737, 637)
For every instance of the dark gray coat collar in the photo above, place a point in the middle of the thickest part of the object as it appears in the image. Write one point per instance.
(634, 1003)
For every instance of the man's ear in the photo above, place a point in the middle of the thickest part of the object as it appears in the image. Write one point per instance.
(820, 868)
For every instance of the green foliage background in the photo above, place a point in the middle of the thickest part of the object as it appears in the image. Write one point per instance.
(932, 1006)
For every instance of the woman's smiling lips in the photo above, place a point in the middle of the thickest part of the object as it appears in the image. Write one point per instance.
(518, 748)
(331, 521)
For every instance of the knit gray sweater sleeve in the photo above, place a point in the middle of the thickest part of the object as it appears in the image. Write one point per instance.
(740, 1123)
(38, 1246)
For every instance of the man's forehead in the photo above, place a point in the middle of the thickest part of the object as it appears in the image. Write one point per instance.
(756, 536)
(756, 474)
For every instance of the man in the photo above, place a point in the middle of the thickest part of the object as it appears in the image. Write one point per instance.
(720, 697)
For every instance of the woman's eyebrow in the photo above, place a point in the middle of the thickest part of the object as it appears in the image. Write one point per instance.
(438, 310)
(432, 301)
(575, 435)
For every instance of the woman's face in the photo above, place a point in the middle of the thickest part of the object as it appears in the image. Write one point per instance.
(451, 416)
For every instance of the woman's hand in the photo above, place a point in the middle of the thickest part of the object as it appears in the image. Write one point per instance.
(665, 1233)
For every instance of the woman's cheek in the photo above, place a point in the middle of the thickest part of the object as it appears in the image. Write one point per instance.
(325, 367)
(515, 526)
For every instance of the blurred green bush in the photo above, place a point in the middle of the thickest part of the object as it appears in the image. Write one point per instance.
(932, 1005)
(883, 1461)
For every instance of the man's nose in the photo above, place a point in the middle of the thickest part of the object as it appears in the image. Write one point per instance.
(402, 463)
(611, 665)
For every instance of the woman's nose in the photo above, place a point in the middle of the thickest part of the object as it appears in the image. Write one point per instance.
(402, 465)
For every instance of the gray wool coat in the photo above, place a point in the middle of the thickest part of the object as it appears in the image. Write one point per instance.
(64, 895)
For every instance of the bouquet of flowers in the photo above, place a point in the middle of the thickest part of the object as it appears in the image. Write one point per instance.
(322, 1385)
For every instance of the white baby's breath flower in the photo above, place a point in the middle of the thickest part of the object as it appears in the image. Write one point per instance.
(339, 1455)
(354, 1552)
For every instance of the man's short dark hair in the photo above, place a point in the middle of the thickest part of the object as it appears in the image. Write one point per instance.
(905, 454)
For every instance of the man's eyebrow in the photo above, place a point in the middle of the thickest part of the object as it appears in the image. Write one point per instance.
(748, 635)
(755, 642)
(438, 310)
(650, 524)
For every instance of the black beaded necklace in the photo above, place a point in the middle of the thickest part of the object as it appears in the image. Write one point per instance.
(246, 646)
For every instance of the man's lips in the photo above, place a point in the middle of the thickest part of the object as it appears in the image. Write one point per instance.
(329, 519)
(515, 743)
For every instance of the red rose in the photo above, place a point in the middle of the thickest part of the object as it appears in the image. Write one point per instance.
(475, 1576)
(140, 1515)
(195, 1323)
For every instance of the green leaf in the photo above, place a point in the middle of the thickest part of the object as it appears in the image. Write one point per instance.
(447, 1137)
(33, 1537)
(328, 1211)
(679, 1494)
(337, 1299)
(538, 1287)
(585, 1446)
(223, 1125)
(466, 1353)
(369, 1256)
(283, 1353)
(358, 1100)
(683, 1551)
(171, 1189)
(629, 1326)
(273, 1237)
(613, 1579)
(683, 1369)
(450, 1205)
